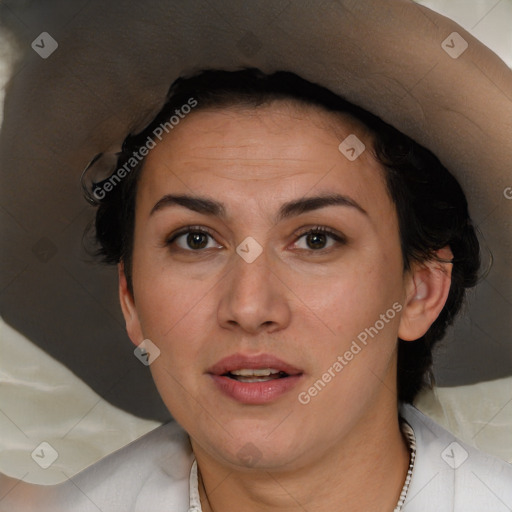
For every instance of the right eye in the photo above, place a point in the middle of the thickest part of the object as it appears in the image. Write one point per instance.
(192, 239)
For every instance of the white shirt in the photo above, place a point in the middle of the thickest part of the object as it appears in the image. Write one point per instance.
(157, 473)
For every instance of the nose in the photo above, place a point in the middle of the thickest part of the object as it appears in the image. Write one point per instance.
(253, 298)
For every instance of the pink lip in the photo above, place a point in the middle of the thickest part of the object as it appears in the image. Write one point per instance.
(255, 393)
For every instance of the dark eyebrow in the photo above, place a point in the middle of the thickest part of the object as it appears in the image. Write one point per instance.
(197, 204)
(214, 208)
(307, 204)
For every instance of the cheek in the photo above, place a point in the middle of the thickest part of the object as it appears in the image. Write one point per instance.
(352, 296)
(359, 312)
(175, 313)
(172, 305)
(177, 307)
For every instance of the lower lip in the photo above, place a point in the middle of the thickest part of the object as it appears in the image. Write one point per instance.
(255, 393)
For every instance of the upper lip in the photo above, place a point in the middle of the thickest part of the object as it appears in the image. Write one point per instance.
(240, 361)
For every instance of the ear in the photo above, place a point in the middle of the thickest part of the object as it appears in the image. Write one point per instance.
(427, 289)
(131, 317)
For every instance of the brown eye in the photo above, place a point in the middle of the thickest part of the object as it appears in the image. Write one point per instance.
(318, 239)
(197, 240)
(192, 240)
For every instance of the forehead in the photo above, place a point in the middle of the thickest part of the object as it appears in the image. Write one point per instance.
(289, 122)
(279, 149)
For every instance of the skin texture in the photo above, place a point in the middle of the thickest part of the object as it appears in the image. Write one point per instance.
(301, 304)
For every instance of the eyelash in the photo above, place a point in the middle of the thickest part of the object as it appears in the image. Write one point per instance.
(339, 239)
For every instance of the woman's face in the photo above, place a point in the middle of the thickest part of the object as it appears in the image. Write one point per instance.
(233, 282)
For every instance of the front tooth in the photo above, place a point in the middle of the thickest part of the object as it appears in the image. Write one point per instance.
(264, 372)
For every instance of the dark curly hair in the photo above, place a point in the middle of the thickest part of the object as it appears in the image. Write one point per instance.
(431, 207)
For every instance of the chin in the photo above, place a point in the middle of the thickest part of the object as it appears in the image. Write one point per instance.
(263, 452)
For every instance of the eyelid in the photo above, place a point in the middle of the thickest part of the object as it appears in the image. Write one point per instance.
(318, 229)
(338, 237)
(186, 229)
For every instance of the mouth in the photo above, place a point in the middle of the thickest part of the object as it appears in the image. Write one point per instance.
(254, 380)
(249, 368)
(256, 375)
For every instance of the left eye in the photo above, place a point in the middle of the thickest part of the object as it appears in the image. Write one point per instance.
(317, 239)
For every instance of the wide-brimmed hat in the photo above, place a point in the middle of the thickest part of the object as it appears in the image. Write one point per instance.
(90, 73)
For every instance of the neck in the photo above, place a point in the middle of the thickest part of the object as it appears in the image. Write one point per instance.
(365, 471)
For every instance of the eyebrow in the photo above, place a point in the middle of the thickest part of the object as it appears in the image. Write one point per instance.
(207, 206)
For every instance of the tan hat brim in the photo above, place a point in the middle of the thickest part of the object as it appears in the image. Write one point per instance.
(114, 63)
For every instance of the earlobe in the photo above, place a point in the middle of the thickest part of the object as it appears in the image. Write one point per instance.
(131, 317)
(427, 290)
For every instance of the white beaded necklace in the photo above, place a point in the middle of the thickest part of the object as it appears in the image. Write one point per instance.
(409, 433)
